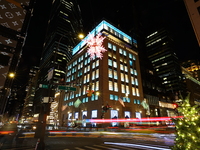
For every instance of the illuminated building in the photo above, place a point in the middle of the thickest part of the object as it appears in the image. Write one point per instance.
(159, 46)
(193, 85)
(193, 9)
(193, 66)
(64, 24)
(116, 75)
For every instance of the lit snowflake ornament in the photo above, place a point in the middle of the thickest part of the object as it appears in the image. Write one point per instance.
(95, 46)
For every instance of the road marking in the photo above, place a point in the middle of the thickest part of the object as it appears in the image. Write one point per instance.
(79, 148)
(92, 148)
(106, 147)
(136, 145)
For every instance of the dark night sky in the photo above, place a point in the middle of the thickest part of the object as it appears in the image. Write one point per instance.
(152, 13)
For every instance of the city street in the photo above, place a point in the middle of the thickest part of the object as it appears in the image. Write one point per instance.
(104, 142)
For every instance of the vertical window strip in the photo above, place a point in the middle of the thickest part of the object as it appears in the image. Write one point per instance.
(97, 73)
(123, 88)
(97, 86)
(116, 86)
(110, 85)
(133, 91)
(122, 77)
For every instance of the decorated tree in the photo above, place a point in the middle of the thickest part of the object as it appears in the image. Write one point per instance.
(187, 127)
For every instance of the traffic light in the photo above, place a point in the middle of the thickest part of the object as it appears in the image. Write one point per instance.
(90, 92)
(106, 108)
(175, 105)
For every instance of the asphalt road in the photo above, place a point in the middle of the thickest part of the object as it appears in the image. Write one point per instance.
(139, 142)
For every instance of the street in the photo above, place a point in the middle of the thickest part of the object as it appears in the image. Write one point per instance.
(104, 142)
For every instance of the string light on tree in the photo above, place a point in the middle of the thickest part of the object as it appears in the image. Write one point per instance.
(95, 46)
(187, 127)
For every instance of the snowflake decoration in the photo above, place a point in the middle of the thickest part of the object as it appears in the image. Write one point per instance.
(95, 46)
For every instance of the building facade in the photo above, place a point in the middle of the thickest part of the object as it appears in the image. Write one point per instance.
(115, 76)
(160, 51)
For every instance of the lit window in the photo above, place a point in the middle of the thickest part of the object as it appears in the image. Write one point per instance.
(97, 86)
(110, 45)
(110, 73)
(97, 63)
(126, 77)
(114, 48)
(123, 88)
(138, 101)
(137, 92)
(115, 74)
(93, 75)
(122, 77)
(116, 86)
(110, 85)
(115, 64)
(133, 91)
(132, 80)
(127, 89)
(120, 51)
(97, 73)
(121, 67)
(109, 62)
(93, 65)
(136, 81)
(111, 97)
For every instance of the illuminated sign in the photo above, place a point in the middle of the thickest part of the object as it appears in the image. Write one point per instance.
(166, 105)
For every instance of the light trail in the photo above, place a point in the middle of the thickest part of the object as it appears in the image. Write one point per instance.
(151, 119)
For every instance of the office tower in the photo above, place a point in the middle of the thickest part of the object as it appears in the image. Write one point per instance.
(13, 27)
(115, 76)
(193, 66)
(193, 85)
(64, 24)
(160, 51)
(28, 110)
(193, 9)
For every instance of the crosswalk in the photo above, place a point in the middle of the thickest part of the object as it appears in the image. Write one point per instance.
(122, 146)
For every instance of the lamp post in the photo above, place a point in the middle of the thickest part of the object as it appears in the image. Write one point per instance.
(10, 78)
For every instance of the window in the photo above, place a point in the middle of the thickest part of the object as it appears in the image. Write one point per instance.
(110, 75)
(136, 81)
(132, 80)
(111, 97)
(122, 77)
(110, 85)
(109, 62)
(123, 88)
(116, 86)
(115, 74)
(127, 89)
(126, 77)
(93, 75)
(97, 63)
(116, 97)
(97, 73)
(110, 45)
(138, 101)
(121, 67)
(137, 92)
(133, 91)
(114, 48)
(97, 86)
(115, 64)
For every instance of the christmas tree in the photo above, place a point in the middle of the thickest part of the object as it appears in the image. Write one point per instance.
(187, 127)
